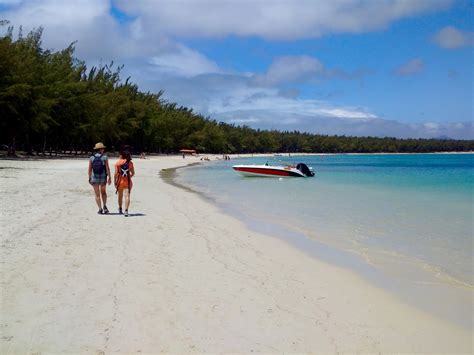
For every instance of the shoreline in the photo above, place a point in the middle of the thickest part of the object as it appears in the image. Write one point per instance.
(179, 276)
(407, 291)
(216, 156)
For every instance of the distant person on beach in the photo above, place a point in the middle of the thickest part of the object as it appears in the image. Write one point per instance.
(124, 171)
(99, 176)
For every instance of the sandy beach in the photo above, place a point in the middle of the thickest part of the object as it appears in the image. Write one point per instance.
(179, 275)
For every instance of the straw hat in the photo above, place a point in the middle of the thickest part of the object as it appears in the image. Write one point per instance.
(99, 145)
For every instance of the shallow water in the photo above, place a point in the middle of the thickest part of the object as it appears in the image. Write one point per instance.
(409, 217)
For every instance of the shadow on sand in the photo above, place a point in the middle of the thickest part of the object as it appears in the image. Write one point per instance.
(136, 215)
(129, 215)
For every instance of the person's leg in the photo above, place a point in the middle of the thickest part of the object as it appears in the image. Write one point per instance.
(120, 199)
(127, 200)
(97, 196)
(103, 193)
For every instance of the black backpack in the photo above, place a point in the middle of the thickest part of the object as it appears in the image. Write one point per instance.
(125, 170)
(98, 166)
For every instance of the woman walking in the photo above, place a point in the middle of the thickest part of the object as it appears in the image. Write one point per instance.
(99, 176)
(124, 171)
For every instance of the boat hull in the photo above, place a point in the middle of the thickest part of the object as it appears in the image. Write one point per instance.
(267, 171)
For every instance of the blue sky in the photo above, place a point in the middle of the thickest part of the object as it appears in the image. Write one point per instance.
(379, 67)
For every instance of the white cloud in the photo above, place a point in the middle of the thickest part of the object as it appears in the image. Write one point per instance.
(235, 99)
(279, 19)
(451, 38)
(87, 21)
(223, 96)
(347, 113)
(269, 101)
(411, 67)
(100, 38)
(302, 69)
(184, 62)
(431, 126)
(289, 69)
(245, 121)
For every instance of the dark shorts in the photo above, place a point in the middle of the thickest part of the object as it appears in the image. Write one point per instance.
(99, 180)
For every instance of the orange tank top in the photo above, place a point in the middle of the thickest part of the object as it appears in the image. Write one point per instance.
(124, 178)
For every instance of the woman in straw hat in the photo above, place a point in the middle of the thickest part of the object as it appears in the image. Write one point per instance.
(99, 176)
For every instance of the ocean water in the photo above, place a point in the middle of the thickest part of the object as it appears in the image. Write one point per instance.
(408, 219)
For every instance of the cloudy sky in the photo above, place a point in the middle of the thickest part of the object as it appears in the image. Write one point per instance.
(356, 67)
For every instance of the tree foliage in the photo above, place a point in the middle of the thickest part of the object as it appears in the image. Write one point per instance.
(49, 100)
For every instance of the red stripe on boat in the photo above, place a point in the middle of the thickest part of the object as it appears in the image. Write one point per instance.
(264, 171)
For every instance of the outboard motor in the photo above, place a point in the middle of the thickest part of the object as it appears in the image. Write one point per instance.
(304, 169)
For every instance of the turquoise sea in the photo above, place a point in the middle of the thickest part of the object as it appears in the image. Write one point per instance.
(404, 222)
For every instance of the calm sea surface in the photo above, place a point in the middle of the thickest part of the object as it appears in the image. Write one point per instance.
(408, 217)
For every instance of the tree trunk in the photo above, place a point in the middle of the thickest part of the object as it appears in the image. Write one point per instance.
(29, 148)
(44, 146)
(12, 148)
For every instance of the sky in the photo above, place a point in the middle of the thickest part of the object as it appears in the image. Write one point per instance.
(400, 68)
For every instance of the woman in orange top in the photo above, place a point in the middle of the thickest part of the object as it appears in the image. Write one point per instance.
(124, 171)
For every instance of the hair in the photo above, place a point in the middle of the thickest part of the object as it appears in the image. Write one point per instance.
(126, 155)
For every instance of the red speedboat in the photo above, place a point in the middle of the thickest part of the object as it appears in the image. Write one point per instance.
(299, 170)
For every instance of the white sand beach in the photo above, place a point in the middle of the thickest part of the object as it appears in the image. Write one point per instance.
(179, 275)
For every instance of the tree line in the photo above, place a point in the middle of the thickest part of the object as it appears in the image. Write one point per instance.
(51, 102)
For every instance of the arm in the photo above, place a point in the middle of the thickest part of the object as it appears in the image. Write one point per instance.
(132, 170)
(108, 171)
(89, 170)
(116, 180)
